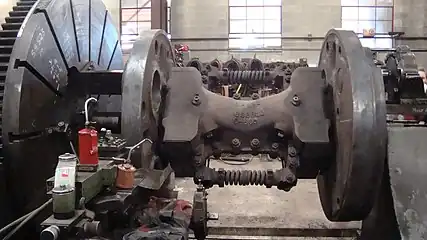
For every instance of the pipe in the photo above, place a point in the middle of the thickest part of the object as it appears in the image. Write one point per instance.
(383, 36)
(26, 219)
(135, 146)
(86, 108)
(287, 50)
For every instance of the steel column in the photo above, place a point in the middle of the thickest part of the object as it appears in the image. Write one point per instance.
(159, 15)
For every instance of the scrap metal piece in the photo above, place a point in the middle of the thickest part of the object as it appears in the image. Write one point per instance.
(347, 188)
(407, 167)
(145, 77)
(57, 36)
(195, 63)
(216, 63)
(233, 65)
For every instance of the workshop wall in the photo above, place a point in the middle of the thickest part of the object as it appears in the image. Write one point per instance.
(209, 19)
(5, 8)
(411, 18)
(206, 19)
(113, 6)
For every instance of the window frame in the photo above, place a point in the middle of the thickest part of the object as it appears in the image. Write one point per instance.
(379, 37)
(262, 35)
(122, 22)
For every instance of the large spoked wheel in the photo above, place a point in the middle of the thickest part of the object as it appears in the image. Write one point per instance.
(348, 187)
(57, 36)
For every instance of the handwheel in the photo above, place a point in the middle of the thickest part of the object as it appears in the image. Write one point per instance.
(348, 187)
(55, 36)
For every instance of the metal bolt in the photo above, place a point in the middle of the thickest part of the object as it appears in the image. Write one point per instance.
(204, 79)
(236, 96)
(296, 101)
(209, 135)
(275, 146)
(290, 178)
(235, 142)
(196, 100)
(255, 96)
(292, 152)
(255, 143)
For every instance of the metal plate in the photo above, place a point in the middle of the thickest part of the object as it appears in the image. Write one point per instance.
(407, 166)
(58, 35)
(348, 186)
(147, 71)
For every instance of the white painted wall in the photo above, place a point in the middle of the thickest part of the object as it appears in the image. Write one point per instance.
(113, 6)
(5, 8)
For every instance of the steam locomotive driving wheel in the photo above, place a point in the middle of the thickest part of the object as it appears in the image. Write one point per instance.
(348, 186)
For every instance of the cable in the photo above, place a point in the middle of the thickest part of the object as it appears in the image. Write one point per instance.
(86, 108)
(27, 218)
(4, 229)
(74, 151)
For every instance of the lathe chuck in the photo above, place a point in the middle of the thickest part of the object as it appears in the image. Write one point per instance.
(56, 37)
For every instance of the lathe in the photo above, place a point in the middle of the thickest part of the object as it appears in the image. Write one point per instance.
(64, 82)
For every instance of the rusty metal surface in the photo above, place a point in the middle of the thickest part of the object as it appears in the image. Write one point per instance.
(146, 73)
(408, 170)
(347, 189)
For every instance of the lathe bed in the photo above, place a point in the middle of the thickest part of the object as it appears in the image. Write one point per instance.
(259, 213)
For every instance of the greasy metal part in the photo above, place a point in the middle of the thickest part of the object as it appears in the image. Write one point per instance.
(57, 36)
(50, 233)
(145, 76)
(65, 224)
(199, 216)
(283, 179)
(195, 63)
(233, 65)
(401, 78)
(357, 111)
(256, 65)
(254, 78)
(216, 63)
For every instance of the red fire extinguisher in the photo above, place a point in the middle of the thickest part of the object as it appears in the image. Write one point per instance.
(88, 141)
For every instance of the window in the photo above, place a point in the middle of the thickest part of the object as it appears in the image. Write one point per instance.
(360, 15)
(135, 18)
(255, 23)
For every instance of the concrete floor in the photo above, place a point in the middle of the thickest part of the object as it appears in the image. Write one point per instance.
(256, 207)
